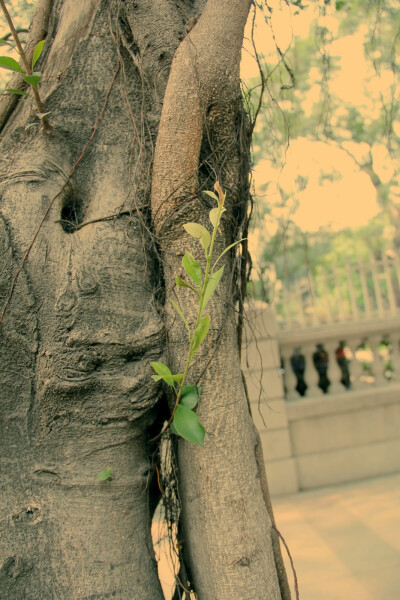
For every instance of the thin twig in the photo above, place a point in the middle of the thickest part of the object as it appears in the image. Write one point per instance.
(46, 125)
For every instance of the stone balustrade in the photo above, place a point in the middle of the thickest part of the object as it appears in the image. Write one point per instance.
(341, 357)
(339, 421)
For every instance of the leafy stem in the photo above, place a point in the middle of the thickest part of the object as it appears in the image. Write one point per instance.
(183, 421)
(30, 77)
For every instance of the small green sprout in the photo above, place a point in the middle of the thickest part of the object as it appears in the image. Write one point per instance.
(183, 420)
(105, 475)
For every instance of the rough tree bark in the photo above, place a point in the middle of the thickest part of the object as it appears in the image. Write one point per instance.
(86, 314)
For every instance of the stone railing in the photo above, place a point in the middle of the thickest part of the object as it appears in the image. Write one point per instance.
(367, 290)
(341, 357)
(324, 434)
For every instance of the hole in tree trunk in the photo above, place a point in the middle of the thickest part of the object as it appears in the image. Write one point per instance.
(71, 213)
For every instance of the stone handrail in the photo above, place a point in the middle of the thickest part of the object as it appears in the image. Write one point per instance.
(340, 357)
(369, 289)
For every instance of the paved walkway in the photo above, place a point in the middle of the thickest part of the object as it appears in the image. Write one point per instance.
(345, 540)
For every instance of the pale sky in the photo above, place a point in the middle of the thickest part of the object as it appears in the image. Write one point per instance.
(348, 201)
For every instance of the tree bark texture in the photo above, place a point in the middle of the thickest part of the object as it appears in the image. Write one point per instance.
(85, 316)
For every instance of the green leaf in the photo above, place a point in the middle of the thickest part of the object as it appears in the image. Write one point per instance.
(10, 64)
(188, 426)
(201, 332)
(213, 214)
(211, 285)
(192, 267)
(6, 43)
(42, 115)
(180, 313)
(104, 475)
(211, 194)
(33, 79)
(19, 92)
(37, 52)
(172, 428)
(190, 396)
(180, 283)
(176, 377)
(163, 372)
(228, 248)
(199, 232)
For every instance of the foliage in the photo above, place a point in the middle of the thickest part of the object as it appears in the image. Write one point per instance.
(362, 121)
(184, 421)
(30, 76)
(105, 475)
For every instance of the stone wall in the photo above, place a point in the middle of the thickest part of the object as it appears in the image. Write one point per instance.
(321, 440)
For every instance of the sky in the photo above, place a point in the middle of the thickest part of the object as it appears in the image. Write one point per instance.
(349, 201)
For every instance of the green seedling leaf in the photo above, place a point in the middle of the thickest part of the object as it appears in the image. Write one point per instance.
(105, 475)
(164, 373)
(37, 52)
(176, 377)
(19, 92)
(180, 283)
(42, 115)
(226, 250)
(10, 64)
(201, 332)
(33, 79)
(6, 43)
(199, 232)
(192, 267)
(172, 428)
(211, 194)
(188, 426)
(180, 313)
(214, 216)
(189, 397)
(211, 285)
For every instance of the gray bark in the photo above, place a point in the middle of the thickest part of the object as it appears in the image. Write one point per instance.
(84, 318)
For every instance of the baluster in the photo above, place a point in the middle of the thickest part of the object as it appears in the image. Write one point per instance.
(364, 286)
(397, 266)
(289, 376)
(299, 296)
(286, 297)
(326, 294)
(339, 293)
(314, 316)
(334, 371)
(377, 287)
(378, 366)
(395, 356)
(311, 375)
(356, 369)
(353, 301)
(389, 284)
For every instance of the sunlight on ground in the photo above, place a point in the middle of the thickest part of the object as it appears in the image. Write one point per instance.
(345, 540)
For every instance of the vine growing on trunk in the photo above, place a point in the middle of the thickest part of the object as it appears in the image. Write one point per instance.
(183, 421)
(30, 76)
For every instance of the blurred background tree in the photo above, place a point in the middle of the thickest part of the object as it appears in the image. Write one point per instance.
(327, 141)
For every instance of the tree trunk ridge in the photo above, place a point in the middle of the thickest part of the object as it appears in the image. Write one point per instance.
(87, 315)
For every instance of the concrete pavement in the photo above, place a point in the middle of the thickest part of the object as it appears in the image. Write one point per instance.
(344, 540)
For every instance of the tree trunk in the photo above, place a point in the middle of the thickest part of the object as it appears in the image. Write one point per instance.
(84, 317)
